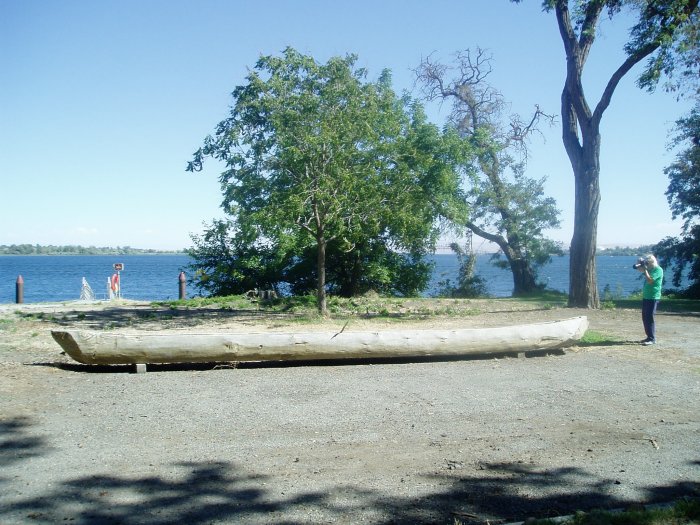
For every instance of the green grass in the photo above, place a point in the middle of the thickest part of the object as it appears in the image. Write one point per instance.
(231, 302)
(39, 316)
(593, 338)
(544, 297)
(668, 304)
(339, 307)
(6, 324)
(303, 308)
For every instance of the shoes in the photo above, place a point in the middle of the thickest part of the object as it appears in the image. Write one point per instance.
(648, 342)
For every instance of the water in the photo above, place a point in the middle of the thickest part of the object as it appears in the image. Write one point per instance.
(155, 277)
(59, 277)
(614, 273)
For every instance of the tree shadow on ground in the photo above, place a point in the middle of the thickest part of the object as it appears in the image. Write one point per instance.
(17, 443)
(607, 343)
(153, 316)
(689, 315)
(299, 363)
(224, 492)
(158, 317)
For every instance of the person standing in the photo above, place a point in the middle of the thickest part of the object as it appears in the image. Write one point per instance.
(651, 295)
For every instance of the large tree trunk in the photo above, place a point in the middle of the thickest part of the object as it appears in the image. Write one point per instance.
(524, 281)
(584, 154)
(583, 285)
(583, 281)
(321, 278)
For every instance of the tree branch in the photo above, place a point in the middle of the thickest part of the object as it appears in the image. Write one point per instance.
(628, 64)
(575, 59)
(493, 237)
(569, 128)
(588, 28)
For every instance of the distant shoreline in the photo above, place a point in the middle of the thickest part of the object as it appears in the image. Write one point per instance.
(90, 253)
(39, 250)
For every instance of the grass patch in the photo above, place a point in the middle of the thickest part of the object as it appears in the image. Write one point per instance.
(593, 337)
(553, 298)
(608, 305)
(685, 512)
(403, 308)
(38, 316)
(304, 307)
(672, 304)
(229, 302)
(6, 324)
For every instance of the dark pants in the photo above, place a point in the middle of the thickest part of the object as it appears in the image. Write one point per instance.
(648, 311)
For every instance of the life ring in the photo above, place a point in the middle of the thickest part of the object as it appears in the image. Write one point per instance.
(115, 282)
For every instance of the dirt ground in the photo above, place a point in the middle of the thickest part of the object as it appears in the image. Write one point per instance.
(426, 441)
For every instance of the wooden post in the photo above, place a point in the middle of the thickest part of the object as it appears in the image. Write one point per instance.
(19, 290)
(183, 286)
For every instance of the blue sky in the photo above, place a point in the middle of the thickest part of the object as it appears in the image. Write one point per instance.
(102, 103)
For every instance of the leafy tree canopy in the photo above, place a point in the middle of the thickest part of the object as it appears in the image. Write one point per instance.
(506, 207)
(670, 29)
(683, 196)
(315, 154)
(683, 191)
(665, 35)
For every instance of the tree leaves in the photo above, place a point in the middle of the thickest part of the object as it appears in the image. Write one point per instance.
(315, 153)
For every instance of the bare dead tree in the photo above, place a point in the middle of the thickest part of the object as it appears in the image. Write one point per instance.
(501, 141)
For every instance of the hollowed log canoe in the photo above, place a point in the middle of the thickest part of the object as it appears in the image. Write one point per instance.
(95, 347)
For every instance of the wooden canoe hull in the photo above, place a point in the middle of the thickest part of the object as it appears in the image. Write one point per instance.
(92, 347)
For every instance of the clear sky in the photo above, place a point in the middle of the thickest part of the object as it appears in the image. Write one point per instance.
(102, 103)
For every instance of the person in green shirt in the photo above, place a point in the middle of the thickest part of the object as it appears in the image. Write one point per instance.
(651, 295)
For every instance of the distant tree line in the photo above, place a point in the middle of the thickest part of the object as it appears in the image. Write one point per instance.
(37, 249)
(626, 250)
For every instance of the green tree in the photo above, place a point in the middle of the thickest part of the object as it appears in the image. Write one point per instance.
(664, 34)
(227, 263)
(507, 208)
(370, 266)
(315, 154)
(683, 196)
(683, 191)
(468, 284)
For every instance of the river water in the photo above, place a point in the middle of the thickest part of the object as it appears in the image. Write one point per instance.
(155, 277)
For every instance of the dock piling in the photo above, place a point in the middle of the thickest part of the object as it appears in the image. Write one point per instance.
(19, 290)
(183, 286)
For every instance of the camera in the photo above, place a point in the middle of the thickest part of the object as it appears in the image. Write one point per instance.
(640, 262)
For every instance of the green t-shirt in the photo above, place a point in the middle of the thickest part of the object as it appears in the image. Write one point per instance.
(653, 291)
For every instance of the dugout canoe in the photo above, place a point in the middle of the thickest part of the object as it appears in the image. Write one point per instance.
(93, 347)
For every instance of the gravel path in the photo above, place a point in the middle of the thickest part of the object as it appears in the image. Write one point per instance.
(422, 442)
